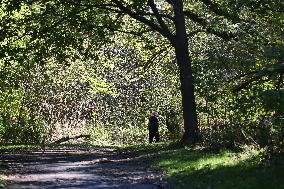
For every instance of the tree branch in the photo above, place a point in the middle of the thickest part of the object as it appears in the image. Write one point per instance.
(65, 139)
(93, 5)
(155, 56)
(159, 18)
(142, 19)
(256, 75)
(214, 7)
(202, 22)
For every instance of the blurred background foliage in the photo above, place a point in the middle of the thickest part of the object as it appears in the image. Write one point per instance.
(67, 70)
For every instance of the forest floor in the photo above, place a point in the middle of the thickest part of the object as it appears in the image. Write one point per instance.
(148, 166)
(198, 167)
(73, 167)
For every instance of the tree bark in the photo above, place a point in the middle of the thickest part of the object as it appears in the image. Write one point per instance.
(186, 78)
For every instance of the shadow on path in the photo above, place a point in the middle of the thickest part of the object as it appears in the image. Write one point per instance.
(100, 168)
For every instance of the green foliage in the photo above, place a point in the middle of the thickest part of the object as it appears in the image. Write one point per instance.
(247, 115)
(66, 64)
(199, 168)
(273, 101)
(17, 123)
(1, 182)
(173, 123)
(28, 133)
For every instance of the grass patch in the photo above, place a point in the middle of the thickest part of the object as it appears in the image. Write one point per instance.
(196, 168)
(23, 147)
(1, 182)
(20, 146)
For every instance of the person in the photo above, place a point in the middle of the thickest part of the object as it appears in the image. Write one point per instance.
(153, 127)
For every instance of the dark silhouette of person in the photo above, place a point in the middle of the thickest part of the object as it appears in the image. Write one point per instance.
(153, 127)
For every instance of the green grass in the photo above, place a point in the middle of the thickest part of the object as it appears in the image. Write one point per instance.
(20, 146)
(196, 168)
(38, 146)
(1, 182)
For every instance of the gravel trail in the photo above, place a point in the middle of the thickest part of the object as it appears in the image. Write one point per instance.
(98, 168)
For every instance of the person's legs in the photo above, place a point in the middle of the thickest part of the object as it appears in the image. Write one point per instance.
(157, 136)
(151, 137)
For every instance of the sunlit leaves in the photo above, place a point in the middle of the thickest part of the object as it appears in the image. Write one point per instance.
(92, 60)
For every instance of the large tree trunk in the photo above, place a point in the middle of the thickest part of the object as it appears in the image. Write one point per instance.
(186, 78)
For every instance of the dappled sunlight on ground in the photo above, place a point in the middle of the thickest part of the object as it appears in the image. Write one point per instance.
(99, 168)
(201, 168)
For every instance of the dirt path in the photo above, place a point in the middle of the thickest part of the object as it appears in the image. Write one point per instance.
(99, 168)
